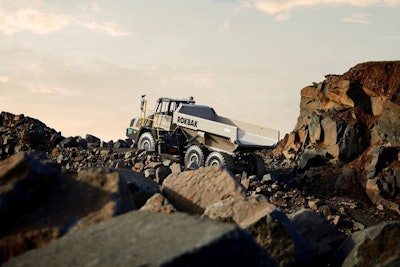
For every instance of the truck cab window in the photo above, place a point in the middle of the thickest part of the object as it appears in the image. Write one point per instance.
(162, 107)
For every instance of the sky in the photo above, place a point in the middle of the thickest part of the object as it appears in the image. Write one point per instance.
(81, 66)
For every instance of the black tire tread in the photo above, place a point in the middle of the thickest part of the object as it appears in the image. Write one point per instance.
(150, 138)
(200, 151)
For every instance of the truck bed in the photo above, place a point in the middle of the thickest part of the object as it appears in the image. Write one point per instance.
(243, 134)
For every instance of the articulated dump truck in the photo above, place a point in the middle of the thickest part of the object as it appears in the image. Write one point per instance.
(196, 134)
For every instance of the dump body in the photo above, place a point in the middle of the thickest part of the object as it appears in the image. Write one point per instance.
(221, 133)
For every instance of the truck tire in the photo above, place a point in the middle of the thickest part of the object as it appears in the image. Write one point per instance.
(257, 165)
(146, 142)
(195, 154)
(220, 159)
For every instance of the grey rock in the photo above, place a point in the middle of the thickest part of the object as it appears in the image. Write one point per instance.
(162, 172)
(68, 142)
(39, 203)
(193, 191)
(381, 158)
(109, 144)
(158, 203)
(120, 144)
(266, 223)
(322, 238)
(354, 140)
(81, 142)
(150, 239)
(374, 246)
(389, 123)
(24, 177)
(93, 139)
(141, 187)
(313, 157)
(129, 142)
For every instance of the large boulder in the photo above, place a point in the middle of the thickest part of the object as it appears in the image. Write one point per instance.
(375, 246)
(151, 239)
(92, 141)
(316, 156)
(267, 224)
(141, 187)
(24, 178)
(102, 194)
(193, 191)
(321, 237)
(39, 203)
(378, 171)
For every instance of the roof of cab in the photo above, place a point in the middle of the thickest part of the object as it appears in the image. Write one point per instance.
(190, 100)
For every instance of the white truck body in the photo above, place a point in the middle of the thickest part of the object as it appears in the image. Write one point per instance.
(204, 120)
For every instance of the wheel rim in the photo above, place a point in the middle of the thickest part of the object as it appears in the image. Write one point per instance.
(194, 158)
(215, 162)
(146, 145)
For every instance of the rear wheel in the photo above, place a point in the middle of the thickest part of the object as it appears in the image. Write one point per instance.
(257, 165)
(146, 142)
(195, 154)
(220, 159)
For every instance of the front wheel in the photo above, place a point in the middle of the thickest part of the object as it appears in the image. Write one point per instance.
(146, 142)
(220, 159)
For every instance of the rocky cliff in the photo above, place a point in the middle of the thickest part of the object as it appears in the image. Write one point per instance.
(351, 123)
(330, 196)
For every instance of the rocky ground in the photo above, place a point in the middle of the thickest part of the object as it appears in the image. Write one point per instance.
(330, 196)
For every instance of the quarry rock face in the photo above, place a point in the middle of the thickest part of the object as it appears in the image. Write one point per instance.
(353, 120)
(330, 196)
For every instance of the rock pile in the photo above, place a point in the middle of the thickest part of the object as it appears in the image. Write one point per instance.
(49, 211)
(85, 202)
(20, 133)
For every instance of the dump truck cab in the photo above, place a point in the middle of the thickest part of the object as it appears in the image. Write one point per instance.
(164, 111)
(156, 123)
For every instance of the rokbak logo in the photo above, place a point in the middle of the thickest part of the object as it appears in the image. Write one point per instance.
(187, 121)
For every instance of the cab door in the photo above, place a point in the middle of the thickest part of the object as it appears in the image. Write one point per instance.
(163, 115)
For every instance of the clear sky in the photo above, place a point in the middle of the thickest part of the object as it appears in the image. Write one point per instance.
(81, 66)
